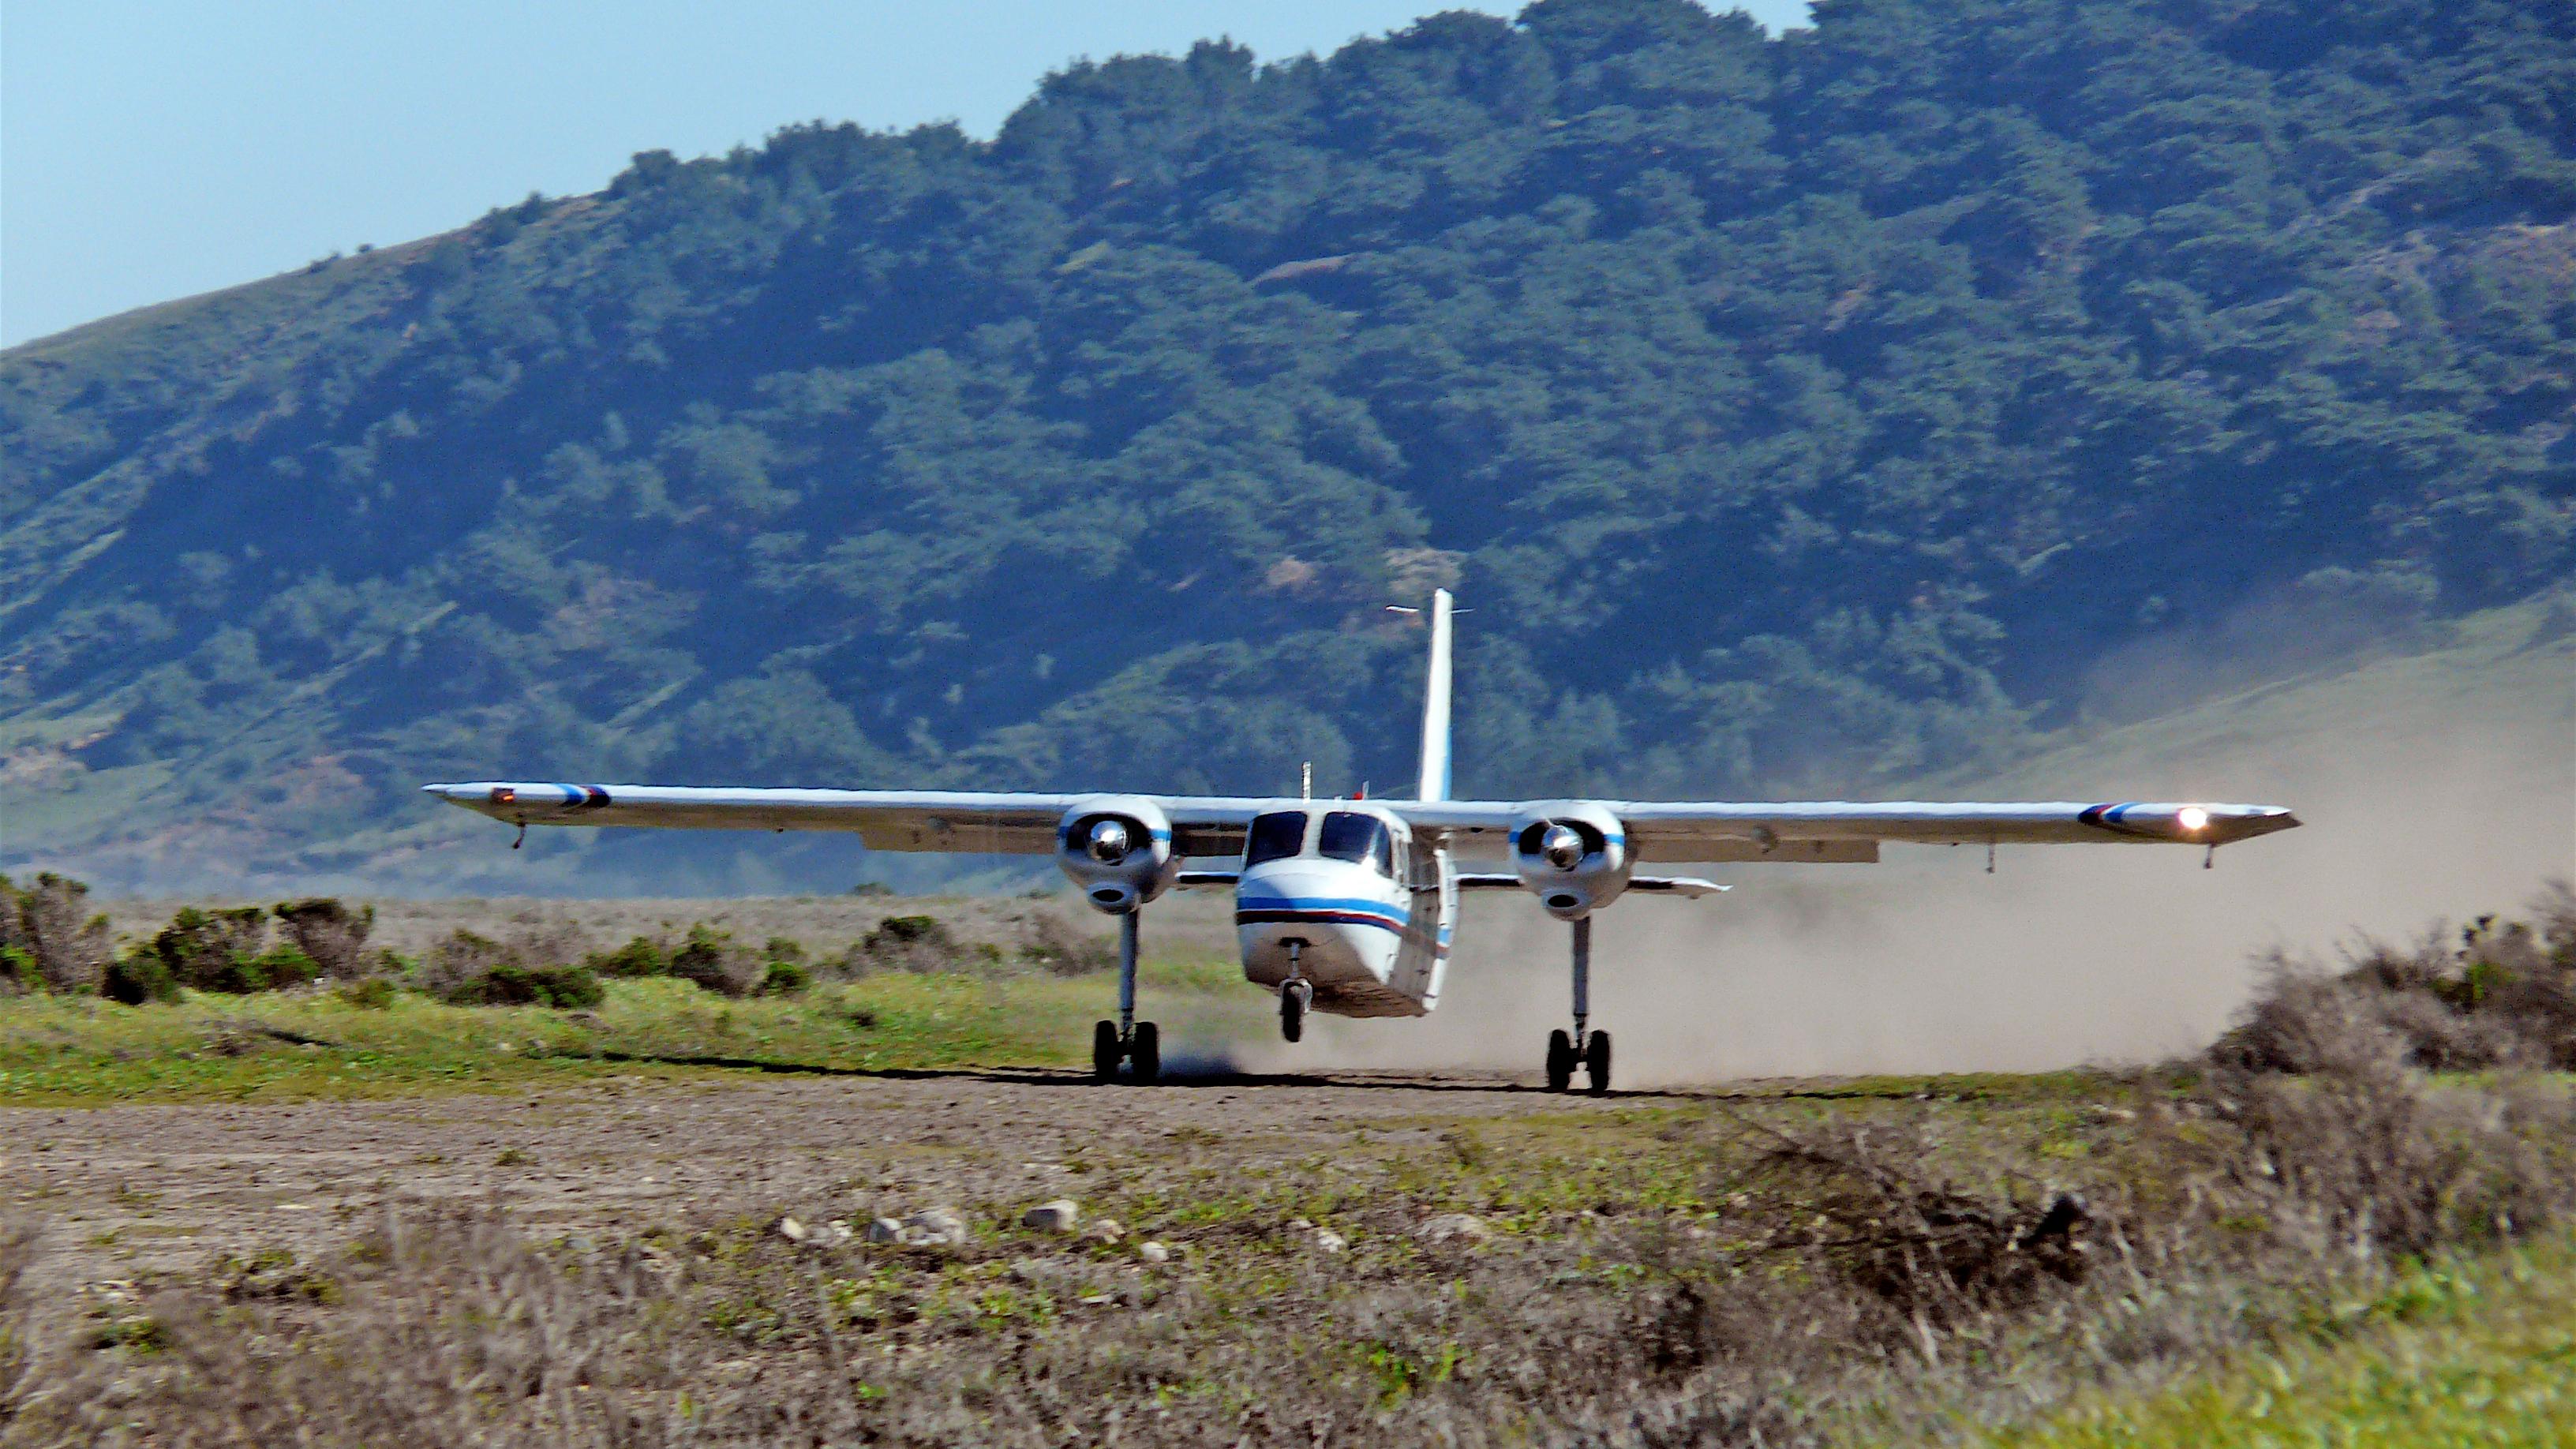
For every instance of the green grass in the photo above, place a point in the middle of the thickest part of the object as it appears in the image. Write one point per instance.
(59, 1051)
(2471, 1353)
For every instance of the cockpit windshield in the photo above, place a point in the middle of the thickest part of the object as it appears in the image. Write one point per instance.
(1349, 835)
(1275, 836)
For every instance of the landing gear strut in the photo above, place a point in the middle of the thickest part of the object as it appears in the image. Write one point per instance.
(1138, 1043)
(1587, 1049)
(1295, 995)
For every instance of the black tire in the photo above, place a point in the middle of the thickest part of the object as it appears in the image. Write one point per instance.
(1292, 1015)
(1560, 1061)
(1596, 1061)
(1105, 1051)
(1145, 1053)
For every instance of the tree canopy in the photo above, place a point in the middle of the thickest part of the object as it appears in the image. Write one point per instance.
(1798, 413)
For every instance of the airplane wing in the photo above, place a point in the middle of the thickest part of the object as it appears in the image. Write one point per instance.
(1013, 823)
(967, 821)
(1834, 831)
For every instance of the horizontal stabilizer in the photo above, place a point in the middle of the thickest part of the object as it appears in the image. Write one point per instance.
(1679, 885)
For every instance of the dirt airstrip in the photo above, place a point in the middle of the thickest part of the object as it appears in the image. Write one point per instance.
(122, 1191)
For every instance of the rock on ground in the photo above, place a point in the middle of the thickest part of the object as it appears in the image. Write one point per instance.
(1060, 1216)
(1453, 1228)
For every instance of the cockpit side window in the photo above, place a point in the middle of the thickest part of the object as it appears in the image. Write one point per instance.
(1274, 836)
(1349, 835)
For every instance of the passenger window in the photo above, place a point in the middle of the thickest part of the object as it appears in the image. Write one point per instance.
(1275, 836)
(1349, 835)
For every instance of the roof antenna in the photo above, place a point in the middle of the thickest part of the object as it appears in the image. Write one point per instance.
(1306, 781)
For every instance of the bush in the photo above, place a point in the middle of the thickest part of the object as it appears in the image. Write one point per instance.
(710, 959)
(472, 970)
(326, 930)
(18, 973)
(642, 956)
(279, 966)
(213, 950)
(2504, 996)
(139, 976)
(52, 923)
(905, 943)
(373, 993)
(785, 978)
(506, 984)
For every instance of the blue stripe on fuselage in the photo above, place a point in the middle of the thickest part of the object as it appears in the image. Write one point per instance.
(1321, 910)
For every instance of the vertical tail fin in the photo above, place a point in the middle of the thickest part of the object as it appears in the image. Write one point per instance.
(1435, 704)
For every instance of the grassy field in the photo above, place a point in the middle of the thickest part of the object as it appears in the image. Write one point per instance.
(371, 1217)
(1409, 1265)
(320, 1044)
(2472, 1352)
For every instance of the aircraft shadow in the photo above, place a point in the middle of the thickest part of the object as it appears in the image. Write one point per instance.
(1197, 1073)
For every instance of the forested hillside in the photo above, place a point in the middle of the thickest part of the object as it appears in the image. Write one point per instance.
(1796, 414)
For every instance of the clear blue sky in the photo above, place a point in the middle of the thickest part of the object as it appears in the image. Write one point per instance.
(148, 151)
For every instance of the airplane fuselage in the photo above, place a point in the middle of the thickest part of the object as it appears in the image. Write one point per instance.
(1336, 893)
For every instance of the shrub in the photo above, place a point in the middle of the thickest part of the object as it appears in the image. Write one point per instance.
(906, 943)
(642, 956)
(2504, 996)
(139, 976)
(508, 984)
(214, 950)
(325, 929)
(785, 978)
(279, 966)
(710, 959)
(372, 993)
(472, 970)
(18, 973)
(54, 925)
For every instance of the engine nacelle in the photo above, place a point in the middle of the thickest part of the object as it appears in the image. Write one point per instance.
(1118, 849)
(1573, 856)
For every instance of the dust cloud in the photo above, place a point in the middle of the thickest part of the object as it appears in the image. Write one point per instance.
(2429, 789)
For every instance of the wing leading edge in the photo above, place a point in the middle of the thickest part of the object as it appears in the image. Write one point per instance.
(964, 821)
(1012, 823)
(1830, 831)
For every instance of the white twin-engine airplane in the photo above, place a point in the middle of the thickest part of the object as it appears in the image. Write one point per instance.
(1347, 906)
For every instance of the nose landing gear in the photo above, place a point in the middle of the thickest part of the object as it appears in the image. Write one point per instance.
(1587, 1049)
(1295, 995)
(1137, 1043)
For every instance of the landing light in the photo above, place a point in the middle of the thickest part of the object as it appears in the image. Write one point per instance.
(2192, 819)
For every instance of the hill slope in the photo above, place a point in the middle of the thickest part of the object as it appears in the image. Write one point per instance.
(1800, 413)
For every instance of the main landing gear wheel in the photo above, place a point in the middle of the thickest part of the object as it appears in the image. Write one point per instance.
(1142, 1052)
(1135, 1042)
(1293, 999)
(1596, 1061)
(1560, 1061)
